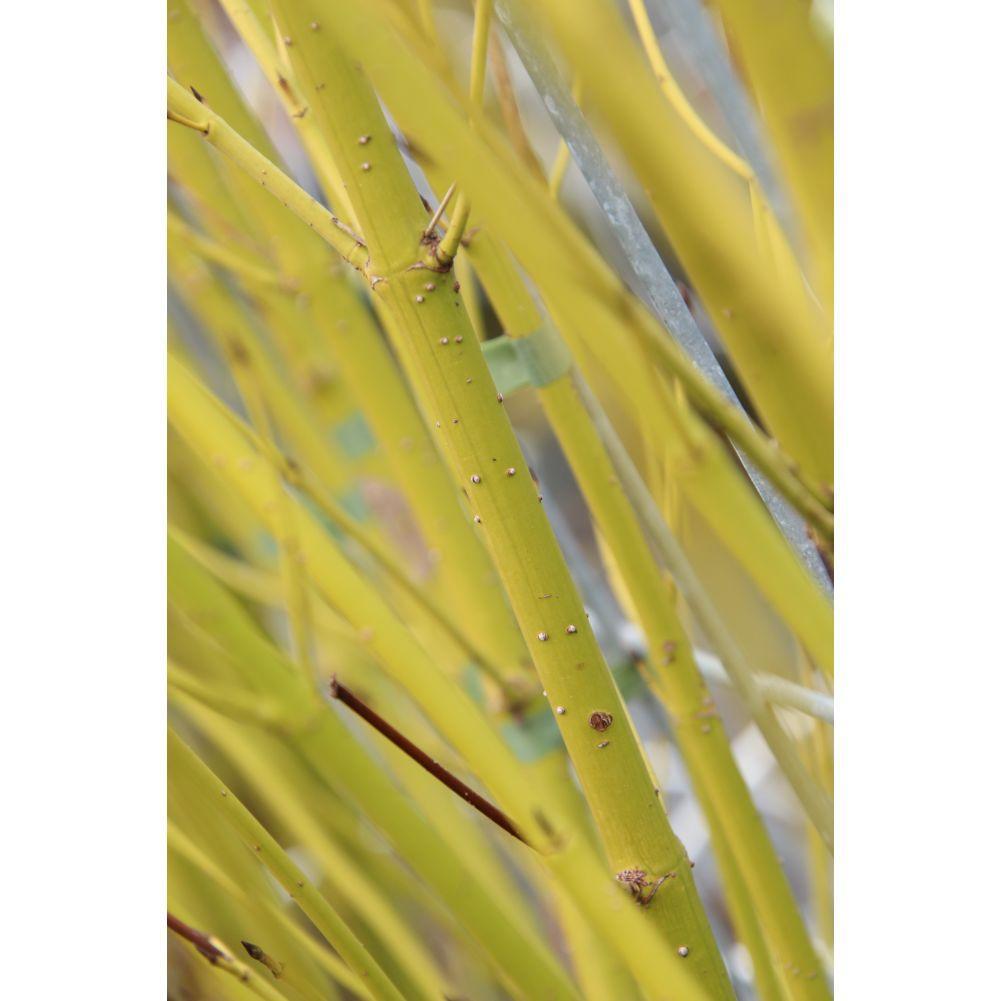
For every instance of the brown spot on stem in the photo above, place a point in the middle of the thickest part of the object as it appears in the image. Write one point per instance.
(600, 721)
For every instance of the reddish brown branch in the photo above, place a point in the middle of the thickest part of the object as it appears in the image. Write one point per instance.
(198, 939)
(443, 775)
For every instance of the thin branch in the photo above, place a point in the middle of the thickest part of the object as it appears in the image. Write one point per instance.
(440, 211)
(773, 688)
(448, 247)
(412, 751)
(185, 109)
(704, 45)
(509, 107)
(209, 947)
(218, 955)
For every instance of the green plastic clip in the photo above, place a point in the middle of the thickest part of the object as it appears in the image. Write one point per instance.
(537, 359)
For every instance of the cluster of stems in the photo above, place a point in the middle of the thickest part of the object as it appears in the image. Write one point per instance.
(386, 691)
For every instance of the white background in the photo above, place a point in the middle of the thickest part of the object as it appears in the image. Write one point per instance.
(82, 501)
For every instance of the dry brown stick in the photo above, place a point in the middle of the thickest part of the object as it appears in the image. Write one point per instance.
(202, 942)
(442, 774)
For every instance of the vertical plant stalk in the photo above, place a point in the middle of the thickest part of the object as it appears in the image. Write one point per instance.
(509, 108)
(578, 285)
(484, 455)
(290, 555)
(226, 322)
(815, 803)
(296, 104)
(756, 875)
(445, 250)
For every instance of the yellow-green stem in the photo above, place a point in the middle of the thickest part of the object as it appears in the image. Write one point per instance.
(307, 897)
(733, 818)
(485, 458)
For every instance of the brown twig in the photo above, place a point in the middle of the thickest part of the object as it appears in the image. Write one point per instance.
(443, 775)
(202, 942)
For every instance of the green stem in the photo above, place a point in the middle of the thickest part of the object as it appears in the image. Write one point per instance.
(487, 463)
(815, 803)
(448, 247)
(185, 109)
(723, 795)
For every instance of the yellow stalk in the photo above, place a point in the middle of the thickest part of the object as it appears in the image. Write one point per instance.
(184, 108)
(676, 96)
(791, 73)
(244, 367)
(756, 880)
(307, 897)
(509, 107)
(445, 251)
(480, 446)
(239, 898)
(262, 763)
(238, 264)
(223, 319)
(294, 101)
(180, 845)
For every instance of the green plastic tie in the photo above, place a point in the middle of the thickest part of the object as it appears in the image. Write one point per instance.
(537, 359)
